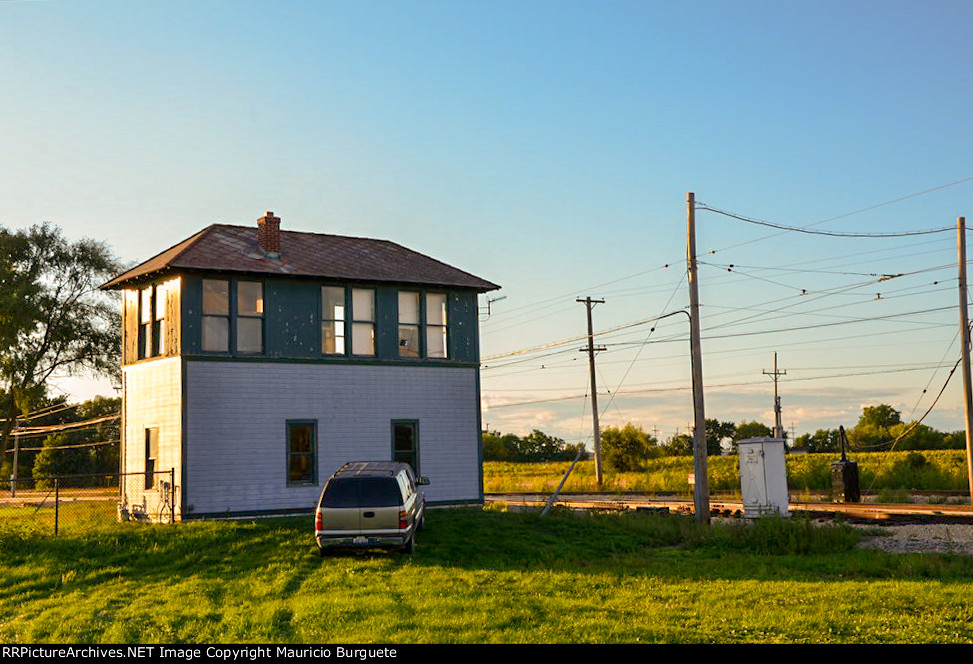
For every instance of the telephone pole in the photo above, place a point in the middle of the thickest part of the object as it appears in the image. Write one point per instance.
(778, 424)
(964, 331)
(700, 469)
(589, 304)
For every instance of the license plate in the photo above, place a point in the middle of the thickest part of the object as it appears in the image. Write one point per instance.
(360, 540)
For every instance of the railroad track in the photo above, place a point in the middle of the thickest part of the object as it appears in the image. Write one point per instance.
(733, 507)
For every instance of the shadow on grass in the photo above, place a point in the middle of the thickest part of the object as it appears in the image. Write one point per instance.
(672, 547)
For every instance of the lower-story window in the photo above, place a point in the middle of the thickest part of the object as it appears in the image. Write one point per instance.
(405, 443)
(302, 452)
(151, 456)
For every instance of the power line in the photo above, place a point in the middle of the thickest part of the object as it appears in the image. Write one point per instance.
(66, 447)
(855, 212)
(809, 231)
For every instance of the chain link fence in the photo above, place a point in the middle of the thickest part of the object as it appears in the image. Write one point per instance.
(78, 503)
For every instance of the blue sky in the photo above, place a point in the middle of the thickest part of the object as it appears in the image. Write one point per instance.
(548, 147)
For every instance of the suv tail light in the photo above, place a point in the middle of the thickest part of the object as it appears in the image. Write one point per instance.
(318, 524)
(403, 520)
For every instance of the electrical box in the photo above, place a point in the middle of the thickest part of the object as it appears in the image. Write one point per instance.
(844, 482)
(763, 477)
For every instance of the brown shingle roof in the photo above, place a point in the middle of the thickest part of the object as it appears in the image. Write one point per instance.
(226, 248)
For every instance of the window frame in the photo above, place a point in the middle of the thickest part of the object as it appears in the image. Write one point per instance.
(414, 453)
(423, 326)
(343, 321)
(159, 292)
(356, 321)
(151, 456)
(145, 322)
(416, 327)
(289, 453)
(259, 315)
(444, 326)
(151, 313)
(219, 316)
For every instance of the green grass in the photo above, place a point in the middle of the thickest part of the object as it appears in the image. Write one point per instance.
(936, 470)
(480, 576)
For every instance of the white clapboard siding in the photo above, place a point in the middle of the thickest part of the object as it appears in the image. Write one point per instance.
(152, 399)
(236, 414)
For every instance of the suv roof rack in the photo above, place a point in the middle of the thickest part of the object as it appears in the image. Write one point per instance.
(373, 468)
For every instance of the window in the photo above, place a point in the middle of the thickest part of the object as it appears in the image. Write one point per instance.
(216, 315)
(363, 321)
(408, 324)
(158, 338)
(152, 313)
(302, 453)
(418, 325)
(151, 456)
(250, 317)
(145, 322)
(436, 325)
(405, 443)
(333, 320)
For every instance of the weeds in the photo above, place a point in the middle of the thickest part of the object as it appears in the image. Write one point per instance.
(931, 470)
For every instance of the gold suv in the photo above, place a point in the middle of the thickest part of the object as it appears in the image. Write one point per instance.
(370, 504)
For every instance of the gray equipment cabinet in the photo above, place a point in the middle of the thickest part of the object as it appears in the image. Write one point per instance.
(763, 477)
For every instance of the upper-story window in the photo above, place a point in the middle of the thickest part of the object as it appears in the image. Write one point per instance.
(436, 325)
(250, 317)
(408, 324)
(216, 315)
(152, 313)
(412, 321)
(362, 321)
(333, 320)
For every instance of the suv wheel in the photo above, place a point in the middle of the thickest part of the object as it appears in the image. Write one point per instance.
(410, 546)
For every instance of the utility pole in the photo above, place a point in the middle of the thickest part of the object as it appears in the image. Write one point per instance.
(589, 303)
(701, 492)
(778, 424)
(964, 331)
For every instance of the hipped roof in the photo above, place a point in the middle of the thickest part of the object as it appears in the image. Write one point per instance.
(227, 248)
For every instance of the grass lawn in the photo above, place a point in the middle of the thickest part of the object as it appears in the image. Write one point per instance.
(479, 577)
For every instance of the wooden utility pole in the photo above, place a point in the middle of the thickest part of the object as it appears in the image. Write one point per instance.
(778, 424)
(964, 331)
(589, 303)
(701, 493)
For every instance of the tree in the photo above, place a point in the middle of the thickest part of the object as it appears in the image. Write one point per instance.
(538, 446)
(535, 446)
(53, 319)
(874, 426)
(752, 429)
(627, 448)
(716, 432)
(680, 444)
(500, 447)
(823, 440)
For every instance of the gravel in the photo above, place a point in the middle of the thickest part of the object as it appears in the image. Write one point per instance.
(919, 538)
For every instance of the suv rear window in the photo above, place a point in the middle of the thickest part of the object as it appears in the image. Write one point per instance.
(361, 492)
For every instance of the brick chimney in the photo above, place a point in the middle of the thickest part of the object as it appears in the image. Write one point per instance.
(268, 230)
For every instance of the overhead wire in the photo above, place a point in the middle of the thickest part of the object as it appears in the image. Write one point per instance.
(854, 212)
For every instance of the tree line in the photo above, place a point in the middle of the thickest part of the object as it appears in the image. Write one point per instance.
(630, 447)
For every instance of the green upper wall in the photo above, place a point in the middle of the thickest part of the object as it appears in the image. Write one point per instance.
(292, 321)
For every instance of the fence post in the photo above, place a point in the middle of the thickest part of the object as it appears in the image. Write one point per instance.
(56, 502)
(172, 495)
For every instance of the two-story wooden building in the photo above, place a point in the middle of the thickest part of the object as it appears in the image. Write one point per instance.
(257, 361)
